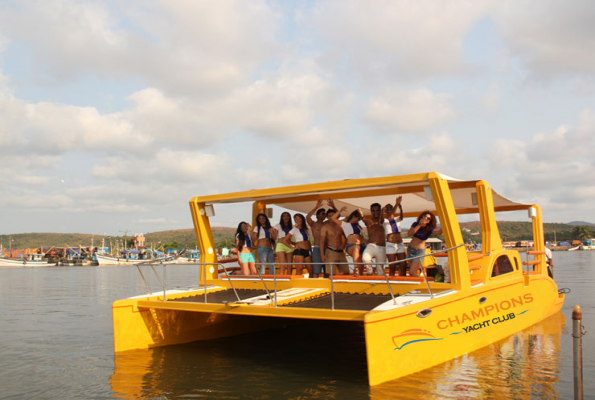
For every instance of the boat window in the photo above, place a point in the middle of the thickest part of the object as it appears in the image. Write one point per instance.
(502, 266)
(516, 264)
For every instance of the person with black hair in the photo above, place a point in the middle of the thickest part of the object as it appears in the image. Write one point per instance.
(264, 236)
(395, 249)
(282, 251)
(316, 226)
(332, 246)
(420, 231)
(376, 248)
(244, 247)
(301, 249)
(356, 243)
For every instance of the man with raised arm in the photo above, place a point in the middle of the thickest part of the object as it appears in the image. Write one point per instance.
(316, 226)
(376, 247)
(332, 244)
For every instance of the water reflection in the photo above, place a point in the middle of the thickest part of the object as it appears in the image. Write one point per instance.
(326, 360)
(313, 359)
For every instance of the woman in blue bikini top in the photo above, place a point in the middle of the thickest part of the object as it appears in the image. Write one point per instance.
(420, 231)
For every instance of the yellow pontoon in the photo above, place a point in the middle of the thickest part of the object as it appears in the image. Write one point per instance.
(410, 323)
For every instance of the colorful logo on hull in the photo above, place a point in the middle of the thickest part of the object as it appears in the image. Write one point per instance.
(412, 336)
(421, 335)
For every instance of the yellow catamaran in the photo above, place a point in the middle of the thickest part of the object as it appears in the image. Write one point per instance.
(410, 323)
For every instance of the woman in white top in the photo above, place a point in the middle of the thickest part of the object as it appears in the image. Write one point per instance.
(301, 249)
(395, 249)
(264, 236)
(284, 253)
(356, 243)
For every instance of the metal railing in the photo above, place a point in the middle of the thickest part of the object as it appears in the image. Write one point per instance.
(273, 297)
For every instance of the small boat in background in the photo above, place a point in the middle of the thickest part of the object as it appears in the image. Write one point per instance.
(190, 256)
(30, 260)
(132, 257)
(574, 248)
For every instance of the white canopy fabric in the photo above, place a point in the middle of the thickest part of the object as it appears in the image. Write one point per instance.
(362, 193)
(412, 203)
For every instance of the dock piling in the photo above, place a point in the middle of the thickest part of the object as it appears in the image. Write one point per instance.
(577, 347)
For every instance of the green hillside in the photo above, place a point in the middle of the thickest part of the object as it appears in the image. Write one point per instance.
(224, 237)
(180, 238)
(514, 231)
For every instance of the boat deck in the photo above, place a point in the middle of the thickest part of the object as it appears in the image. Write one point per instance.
(320, 299)
(344, 301)
(223, 296)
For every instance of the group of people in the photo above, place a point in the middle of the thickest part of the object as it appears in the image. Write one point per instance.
(315, 244)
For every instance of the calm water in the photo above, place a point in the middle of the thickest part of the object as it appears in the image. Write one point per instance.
(56, 343)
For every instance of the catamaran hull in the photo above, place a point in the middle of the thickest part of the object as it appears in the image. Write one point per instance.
(141, 328)
(404, 343)
(398, 341)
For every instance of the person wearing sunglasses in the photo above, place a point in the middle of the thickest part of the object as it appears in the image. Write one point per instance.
(420, 231)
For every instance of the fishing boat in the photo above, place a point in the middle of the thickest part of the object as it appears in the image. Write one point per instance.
(30, 260)
(190, 256)
(410, 323)
(133, 256)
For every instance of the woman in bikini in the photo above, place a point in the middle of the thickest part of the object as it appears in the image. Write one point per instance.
(264, 236)
(420, 231)
(301, 250)
(244, 247)
(283, 252)
(356, 244)
(394, 242)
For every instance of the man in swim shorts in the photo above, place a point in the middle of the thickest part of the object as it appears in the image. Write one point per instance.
(376, 247)
(316, 226)
(332, 245)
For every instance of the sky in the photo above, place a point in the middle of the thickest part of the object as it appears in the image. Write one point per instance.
(114, 114)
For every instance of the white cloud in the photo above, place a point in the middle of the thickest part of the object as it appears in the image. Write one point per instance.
(492, 96)
(395, 40)
(391, 157)
(413, 111)
(182, 47)
(166, 166)
(159, 221)
(506, 152)
(292, 173)
(554, 167)
(549, 37)
(30, 198)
